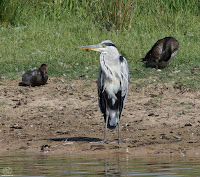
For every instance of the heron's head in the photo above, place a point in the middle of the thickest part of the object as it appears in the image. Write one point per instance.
(105, 46)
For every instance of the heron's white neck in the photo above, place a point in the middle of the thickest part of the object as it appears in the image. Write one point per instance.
(111, 56)
(110, 65)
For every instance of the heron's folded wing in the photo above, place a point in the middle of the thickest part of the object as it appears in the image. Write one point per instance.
(100, 87)
(124, 76)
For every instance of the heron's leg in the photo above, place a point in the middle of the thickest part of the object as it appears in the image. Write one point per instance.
(119, 139)
(106, 124)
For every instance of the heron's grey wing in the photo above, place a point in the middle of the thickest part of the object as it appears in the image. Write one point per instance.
(124, 76)
(100, 86)
(124, 82)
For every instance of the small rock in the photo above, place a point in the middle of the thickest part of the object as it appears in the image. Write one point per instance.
(188, 124)
(72, 85)
(46, 146)
(25, 101)
(151, 114)
(67, 143)
(177, 137)
(16, 126)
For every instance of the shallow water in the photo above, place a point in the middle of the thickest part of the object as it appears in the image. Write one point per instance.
(24, 164)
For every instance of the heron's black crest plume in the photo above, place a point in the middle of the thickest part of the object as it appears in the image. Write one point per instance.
(110, 44)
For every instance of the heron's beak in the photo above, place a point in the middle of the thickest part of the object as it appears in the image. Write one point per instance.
(92, 47)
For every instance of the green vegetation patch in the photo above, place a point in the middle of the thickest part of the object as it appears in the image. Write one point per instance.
(36, 32)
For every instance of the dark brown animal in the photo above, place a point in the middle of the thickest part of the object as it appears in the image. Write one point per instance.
(35, 77)
(162, 52)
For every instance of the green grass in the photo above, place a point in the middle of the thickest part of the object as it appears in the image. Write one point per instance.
(45, 32)
(3, 103)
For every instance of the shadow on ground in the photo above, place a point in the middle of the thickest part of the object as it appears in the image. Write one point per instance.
(86, 139)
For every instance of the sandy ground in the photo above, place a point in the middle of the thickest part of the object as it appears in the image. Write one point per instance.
(63, 117)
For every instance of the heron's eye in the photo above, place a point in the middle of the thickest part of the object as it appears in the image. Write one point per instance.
(104, 45)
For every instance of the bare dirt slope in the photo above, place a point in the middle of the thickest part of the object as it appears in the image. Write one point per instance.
(63, 116)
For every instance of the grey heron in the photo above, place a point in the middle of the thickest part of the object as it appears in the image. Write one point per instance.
(112, 83)
(35, 77)
(162, 52)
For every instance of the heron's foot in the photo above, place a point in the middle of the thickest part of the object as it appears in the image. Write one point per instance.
(119, 141)
(104, 141)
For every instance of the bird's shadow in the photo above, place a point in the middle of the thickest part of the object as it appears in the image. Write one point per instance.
(22, 84)
(77, 139)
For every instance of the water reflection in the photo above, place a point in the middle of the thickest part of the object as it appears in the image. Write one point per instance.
(97, 165)
(112, 168)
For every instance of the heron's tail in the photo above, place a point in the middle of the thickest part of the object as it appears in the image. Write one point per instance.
(112, 119)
